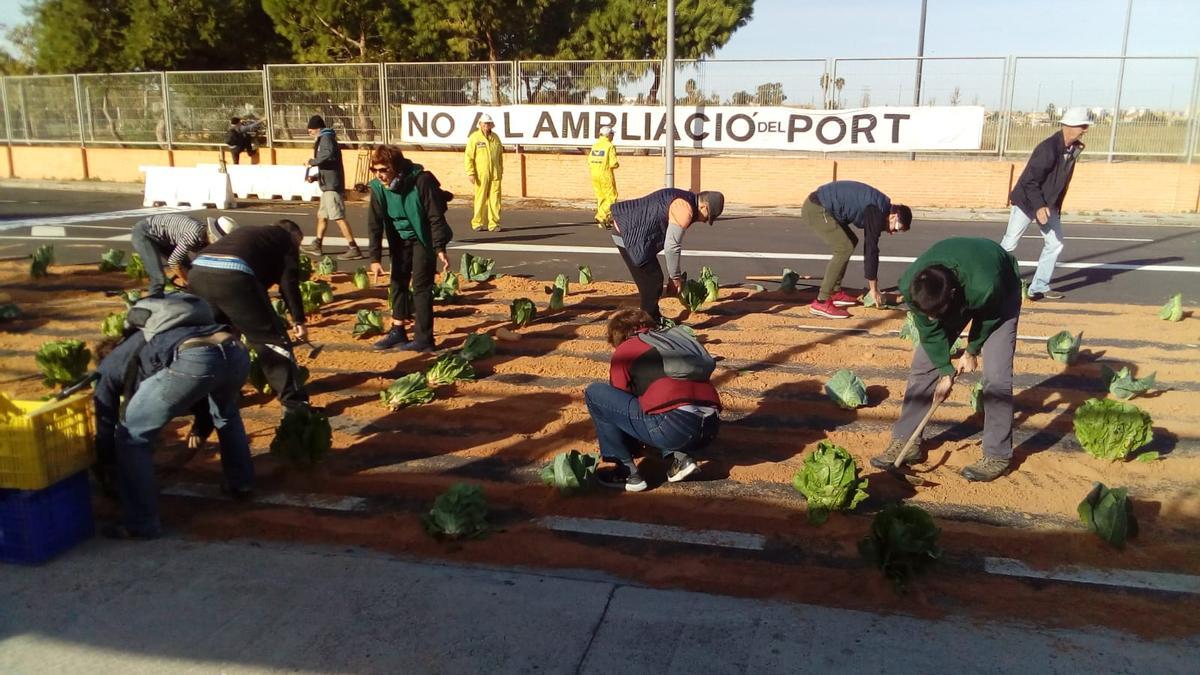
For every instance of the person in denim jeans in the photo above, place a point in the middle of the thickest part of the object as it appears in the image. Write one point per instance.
(640, 404)
(176, 370)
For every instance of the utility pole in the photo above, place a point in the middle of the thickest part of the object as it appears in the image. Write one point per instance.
(920, 63)
(669, 85)
(1112, 136)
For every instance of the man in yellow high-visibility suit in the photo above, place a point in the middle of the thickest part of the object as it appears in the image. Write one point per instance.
(602, 161)
(485, 169)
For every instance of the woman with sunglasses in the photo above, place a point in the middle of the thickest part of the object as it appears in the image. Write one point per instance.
(408, 206)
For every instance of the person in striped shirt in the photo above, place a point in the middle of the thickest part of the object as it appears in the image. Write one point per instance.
(171, 240)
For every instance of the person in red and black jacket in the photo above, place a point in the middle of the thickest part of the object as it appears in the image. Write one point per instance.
(640, 404)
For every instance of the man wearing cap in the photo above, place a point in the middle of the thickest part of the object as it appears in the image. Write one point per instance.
(327, 158)
(485, 170)
(657, 222)
(830, 212)
(172, 240)
(602, 160)
(1039, 194)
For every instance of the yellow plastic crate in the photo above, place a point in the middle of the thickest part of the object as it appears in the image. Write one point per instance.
(42, 442)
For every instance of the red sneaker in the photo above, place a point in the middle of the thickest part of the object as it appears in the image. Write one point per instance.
(843, 299)
(827, 310)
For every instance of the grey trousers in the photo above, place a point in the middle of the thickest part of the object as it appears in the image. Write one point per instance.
(997, 386)
(840, 240)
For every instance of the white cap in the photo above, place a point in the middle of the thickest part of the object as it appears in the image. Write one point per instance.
(219, 227)
(485, 119)
(606, 130)
(1075, 117)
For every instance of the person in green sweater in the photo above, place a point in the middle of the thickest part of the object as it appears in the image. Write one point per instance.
(956, 282)
(408, 206)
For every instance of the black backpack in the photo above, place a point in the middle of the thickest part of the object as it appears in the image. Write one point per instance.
(683, 357)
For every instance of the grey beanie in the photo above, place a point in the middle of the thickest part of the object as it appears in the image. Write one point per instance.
(715, 201)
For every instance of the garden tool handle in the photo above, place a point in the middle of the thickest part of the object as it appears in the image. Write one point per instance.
(917, 432)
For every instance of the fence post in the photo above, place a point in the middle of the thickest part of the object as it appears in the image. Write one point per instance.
(79, 111)
(167, 110)
(1010, 106)
(8, 134)
(386, 136)
(266, 84)
(513, 83)
(1194, 120)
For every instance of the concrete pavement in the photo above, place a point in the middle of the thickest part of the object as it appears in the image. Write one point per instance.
(182, 606)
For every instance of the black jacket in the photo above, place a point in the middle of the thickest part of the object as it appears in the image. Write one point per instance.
(1046, 177)
(272, 253)
(433, 200)
(327, 157)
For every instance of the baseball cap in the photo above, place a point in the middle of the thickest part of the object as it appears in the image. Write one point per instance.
(715, 201)
(219, 227)
(606, 130)
(485, 119)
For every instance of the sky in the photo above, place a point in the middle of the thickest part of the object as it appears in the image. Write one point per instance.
(820, 29)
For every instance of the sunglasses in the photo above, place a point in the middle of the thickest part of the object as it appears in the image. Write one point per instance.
(378, 169)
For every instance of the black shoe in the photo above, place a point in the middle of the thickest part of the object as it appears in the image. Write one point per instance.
(414, 346)
(621, 477)
(1046, 295)
(682, 466)
(393, 338)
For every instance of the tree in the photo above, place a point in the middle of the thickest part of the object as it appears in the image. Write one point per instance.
(955, 96)
(345, 31)
(77, 36)
(769, 93)
(199, 35)
(636, 29)
(741, 98)
(1051, 112)
(866, 97)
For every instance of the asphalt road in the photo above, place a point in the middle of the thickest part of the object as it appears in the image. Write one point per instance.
(1101, 262)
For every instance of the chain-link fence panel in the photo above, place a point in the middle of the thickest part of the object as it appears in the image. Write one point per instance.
(591, 82)
(1043, 88)
(42, 108)
(123, 109)
(473, 83)
(346, 95)
(202, 103)
(791, 82)
(1155, 111)
(3, 113)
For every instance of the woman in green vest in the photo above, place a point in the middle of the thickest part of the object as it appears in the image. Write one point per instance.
(408, 206)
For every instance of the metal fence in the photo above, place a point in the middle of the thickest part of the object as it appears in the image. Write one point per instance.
(1148, 112)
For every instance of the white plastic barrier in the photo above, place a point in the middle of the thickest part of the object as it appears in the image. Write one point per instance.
(269, 181)
(187, 186)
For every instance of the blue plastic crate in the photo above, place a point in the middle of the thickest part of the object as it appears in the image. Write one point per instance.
(36, 525)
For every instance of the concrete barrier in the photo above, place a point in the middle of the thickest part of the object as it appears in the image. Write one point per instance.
(180, 186)
(267, 181)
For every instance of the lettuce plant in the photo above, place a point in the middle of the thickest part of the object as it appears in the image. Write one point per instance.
(458, 513)
(829, 481)
(113, 325)
(1122, 385)
(362, 280)
(556, 299)
(846, 390)
(136, 269)
(131, 296)
(1109, 513)
(314, 294)
(1173, 310)
(447, 289)
(305, 269)
(303, 438)
(788, 281)
(521, 312)
(909, 331)
(476, 269)
(327, 266)
(562, 283)
(112, 260)
(477, 346)
(711, 283)
(1109, 429)
(412, 389)
(903, 542)
(585, 275)
(280, 308)
(42, 258)
(367, 322)
(9, 311)
(62, 361)
(449, 368)
(977, 396)
(571, 472)
(693, 294)
(1064, 348)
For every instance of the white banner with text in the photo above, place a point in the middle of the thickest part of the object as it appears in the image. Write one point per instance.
(876, 129)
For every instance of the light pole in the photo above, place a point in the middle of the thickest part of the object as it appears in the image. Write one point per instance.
(920, 64)
(1112, 135)
(669, 85)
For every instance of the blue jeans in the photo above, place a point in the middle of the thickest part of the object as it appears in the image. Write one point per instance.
(215, 372)
(152, 256)
(1018, 222)
(620, 423)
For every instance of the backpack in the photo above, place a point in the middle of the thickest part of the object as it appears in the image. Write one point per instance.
(683, 357)
(157, 315)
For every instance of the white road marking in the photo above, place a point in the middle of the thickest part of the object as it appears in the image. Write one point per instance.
(620, 528)
(1034, 236)
(1155, 581)
(768, 255)
(48, 231)
(91, 217)
(236, 212)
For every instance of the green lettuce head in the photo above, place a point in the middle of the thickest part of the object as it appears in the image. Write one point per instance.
(829, 481)
(1109, 429)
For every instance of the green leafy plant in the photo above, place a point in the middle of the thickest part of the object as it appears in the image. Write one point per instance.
(9, 311)
(693, 294)
(447, 289)
(314, 294)
(131, 296)
(1063, 347)
(1173, 310)
(1122, 385)
(562, 283)
(303, 438)
(62, 361)
(362, 280)
(521, 312)
(909, 331)
(136, 269)
(449, 368)
(42, 258)
(1109, 429)
(477, 346)
(711, 281)
(305, 270)
(327, 266)
(280, 308)
(1147, 457)
(846, 390)
(412, 389)
(868, 300)
(571, 472)
(829, 481)
(112, 260)
(458, 513)
(1109, 514)
(585, 275)
(367, 322)
(903, 542)
(113, 325)
(788, 281)
(258, 377)
(556, 299)
(476, 269)
(977, 396)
